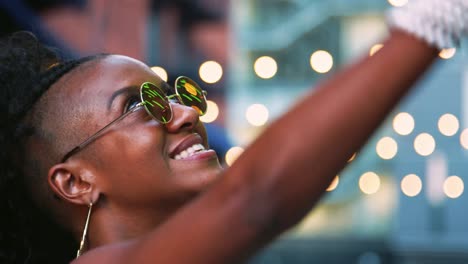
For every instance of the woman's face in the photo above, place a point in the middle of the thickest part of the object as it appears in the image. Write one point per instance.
(134, 162)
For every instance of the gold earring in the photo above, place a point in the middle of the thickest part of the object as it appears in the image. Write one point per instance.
(85, 231)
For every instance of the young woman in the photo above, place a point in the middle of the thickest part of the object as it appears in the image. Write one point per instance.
(96, 151)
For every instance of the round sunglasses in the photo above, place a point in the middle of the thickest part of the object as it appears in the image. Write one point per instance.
(156, 102)
(158, 105)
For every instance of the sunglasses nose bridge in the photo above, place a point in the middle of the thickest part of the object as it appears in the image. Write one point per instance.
(174, 97)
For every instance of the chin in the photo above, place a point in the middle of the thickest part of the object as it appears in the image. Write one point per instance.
(203, 181)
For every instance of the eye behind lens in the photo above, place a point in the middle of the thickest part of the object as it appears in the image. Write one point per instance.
(155, 102)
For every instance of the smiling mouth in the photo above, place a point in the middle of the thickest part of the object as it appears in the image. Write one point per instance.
(190, 151)
(191, 148)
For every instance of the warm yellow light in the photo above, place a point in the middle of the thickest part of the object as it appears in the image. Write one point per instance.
(387, 148)
(424, 144)
(211, 72)
(453, 187)
(334, 184)
(257, 114)
(161, 72)
(375, 48)
(447, 53)
(265, 67)
(233, 154)
(411, 185)
(352, 157)
(403, 123)
(398, 3)
(321, 61)
(464, 138)
(212, 112)
(448, 125)
(369, 183)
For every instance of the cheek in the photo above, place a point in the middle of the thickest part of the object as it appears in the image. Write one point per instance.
(135, 157)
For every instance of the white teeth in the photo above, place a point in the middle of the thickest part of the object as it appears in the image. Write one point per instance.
(189, 151)
(198, 147)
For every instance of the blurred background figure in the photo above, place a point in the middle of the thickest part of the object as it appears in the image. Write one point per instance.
(400, 200)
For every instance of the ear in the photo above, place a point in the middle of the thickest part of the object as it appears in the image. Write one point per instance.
(72, 183)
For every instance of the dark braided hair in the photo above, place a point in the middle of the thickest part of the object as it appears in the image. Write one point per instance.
(27, 70)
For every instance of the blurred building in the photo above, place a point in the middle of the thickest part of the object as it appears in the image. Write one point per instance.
(401, 199)
(176, 36)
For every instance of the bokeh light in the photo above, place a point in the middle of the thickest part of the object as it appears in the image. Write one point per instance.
(211, 72)
(424, 144)
(375, 48)
(453, 187)
(464, 138)
(321, 61)
(265, 67)
(233, 154)
(212, 112)
(448, 124)
(398, 3)
(161, 72)
(411, 185)
(334, 184)
(403, 123)
(386, 148)
(369, 182)
(257, 114)
(447, 53)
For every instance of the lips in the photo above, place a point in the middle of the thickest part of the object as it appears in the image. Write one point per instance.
(181, 149)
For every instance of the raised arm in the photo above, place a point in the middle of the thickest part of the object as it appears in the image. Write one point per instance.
(270, 189)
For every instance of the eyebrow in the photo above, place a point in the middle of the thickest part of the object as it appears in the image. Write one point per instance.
(122, 91)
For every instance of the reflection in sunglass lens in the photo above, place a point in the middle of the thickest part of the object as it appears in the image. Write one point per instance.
(155, 102)
(191, 94)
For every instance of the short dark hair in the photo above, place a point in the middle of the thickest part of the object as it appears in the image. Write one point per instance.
(27, 70)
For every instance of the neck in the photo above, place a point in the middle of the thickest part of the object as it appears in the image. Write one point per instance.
(112, 225)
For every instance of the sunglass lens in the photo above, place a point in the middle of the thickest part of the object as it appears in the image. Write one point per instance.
(191, 94)
(155, 102)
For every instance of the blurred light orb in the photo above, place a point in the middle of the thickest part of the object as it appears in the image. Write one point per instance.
(398, 3)
(447, 53)
(212, 112)
(265, 67)
(375, 48)
(453, 187)
(211, 72)
(411, 185)
(403, 123)
(386, 148)
(369, 182)
(464, 138)
(424, 144)
(334, 184)
(321, 61)
(161, 72)
(257, 114)
(448, 125)
(233, 154)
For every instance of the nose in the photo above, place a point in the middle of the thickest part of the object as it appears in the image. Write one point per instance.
(183, 118)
